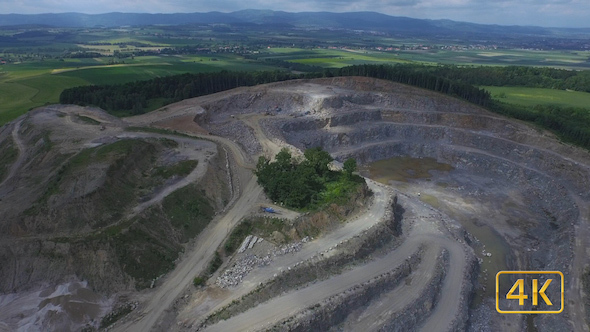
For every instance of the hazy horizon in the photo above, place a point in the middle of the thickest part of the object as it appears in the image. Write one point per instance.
(545, 13)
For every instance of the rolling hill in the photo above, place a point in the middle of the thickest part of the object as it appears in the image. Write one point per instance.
(353, 21)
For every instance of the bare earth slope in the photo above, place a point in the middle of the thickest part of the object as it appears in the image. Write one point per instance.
(474, 193)
(518, 192)
(87, 203)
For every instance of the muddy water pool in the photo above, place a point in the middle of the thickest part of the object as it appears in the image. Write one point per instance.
(432, 180)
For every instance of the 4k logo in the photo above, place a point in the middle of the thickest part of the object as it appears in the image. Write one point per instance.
(536, 294)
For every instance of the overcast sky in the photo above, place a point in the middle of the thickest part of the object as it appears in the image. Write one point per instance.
(557, 13)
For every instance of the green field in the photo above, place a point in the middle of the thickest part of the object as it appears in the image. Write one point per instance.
(556, 59)
(337, 58)
(535, 96)
(18, 96)
(147, 67)
(332, 58)
(40, 67)
(28, 85)
(15, 99)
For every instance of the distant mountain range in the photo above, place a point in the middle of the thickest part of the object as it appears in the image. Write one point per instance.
(353, 21)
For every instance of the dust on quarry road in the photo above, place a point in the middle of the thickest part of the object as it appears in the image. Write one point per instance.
(506, 180)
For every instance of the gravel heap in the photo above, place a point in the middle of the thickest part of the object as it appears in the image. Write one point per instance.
(238, 132)
(289, 248)
(273, 127)
(249, 243)
(234, 275)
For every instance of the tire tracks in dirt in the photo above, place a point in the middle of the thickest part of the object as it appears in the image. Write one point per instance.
(157, 302)
(575, 293)
(197, 173)
(324, 245)
(21, 152)
(267, 314)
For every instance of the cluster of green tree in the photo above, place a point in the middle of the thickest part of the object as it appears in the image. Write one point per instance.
(186, 49)
(134, 97)
(569, 123)
(83, 55)
(295, 66)
(122, 55)
(534, 77)
(419, 77)
(307, 183)
(140, 52)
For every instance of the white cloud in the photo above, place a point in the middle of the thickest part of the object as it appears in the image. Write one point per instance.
(520, 12)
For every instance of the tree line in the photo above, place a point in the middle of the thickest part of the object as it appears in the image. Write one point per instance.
(416, 76)
(138, 97)
(532, 77)
(571, 124)
(141, 96)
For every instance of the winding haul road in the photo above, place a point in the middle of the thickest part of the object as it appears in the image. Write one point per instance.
(207, 243)
(156, 303)
(21, 155)
(326, 245)
(425, 232)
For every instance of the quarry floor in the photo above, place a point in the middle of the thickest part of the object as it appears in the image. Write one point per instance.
(467, 211)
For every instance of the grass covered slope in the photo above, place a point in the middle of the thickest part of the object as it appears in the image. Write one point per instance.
(78, 214)
(114, 173)
(147, 246)
(525, 96)
(27, 85)
(8, 155)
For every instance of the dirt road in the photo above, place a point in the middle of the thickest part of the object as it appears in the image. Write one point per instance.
(21, 152)
(206, 244)
(267, 314)
(425, 232)
(241, 158)
(575, 292)
(378, 313)
(269, 148)
(188, 147)
(326, 245)
(157, 302)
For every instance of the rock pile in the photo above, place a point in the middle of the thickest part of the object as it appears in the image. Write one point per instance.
(234, 275)
(249, 243)
(289, 248)
(238, 132)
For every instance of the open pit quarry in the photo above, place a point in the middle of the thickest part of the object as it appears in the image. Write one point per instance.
(457, 194)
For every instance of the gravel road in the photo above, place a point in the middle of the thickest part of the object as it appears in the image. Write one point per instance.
(425, 232)
(324, 245)
(160, 300)
(21, 155)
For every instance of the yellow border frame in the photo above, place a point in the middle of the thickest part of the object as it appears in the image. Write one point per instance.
(528, 312)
